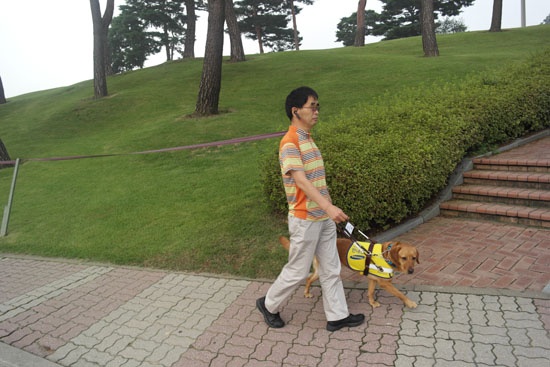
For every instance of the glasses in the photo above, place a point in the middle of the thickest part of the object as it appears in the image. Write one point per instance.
(314, 108)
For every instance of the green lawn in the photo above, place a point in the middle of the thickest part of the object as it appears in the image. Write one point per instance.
(199, 210)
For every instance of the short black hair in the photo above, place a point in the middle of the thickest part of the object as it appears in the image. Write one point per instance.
(297, 98)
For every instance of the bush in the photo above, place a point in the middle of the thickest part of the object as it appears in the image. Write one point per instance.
(272, 182)
(512, 102)
(387, 159)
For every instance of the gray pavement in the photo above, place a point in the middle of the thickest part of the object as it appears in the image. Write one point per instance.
(482, 288)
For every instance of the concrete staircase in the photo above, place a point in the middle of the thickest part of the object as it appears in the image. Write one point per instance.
(503, 189)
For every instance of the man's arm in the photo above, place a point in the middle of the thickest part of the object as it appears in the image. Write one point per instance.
(335, 213)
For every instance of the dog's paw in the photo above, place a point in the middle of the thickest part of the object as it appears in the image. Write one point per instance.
(308, 295)
(410, 304)
(374, 304)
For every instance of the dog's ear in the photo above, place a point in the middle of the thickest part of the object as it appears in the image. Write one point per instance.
(394, 254)
(417, 257)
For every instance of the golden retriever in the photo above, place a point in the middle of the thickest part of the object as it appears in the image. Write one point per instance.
(402, 257)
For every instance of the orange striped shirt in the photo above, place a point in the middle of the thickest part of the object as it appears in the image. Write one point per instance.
(298, 152)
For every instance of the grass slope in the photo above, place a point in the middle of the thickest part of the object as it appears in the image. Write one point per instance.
(198, 210)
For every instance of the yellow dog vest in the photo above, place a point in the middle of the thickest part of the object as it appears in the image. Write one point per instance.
(357, 256)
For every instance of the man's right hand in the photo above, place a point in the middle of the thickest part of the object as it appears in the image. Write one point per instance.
(337, 214)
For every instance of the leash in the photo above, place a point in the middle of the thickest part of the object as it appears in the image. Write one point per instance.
(348, 229)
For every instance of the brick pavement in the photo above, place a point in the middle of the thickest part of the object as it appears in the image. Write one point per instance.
(94, 315)
(108, 316)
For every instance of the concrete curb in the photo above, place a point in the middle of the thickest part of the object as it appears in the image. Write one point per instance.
(13, 357)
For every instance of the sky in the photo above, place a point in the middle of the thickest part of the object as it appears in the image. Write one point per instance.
(49, 44)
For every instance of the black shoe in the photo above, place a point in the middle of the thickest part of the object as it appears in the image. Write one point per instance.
(272, 319)
(351, 320)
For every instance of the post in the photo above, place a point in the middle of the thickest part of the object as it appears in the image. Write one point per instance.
(523, 13)
(7, 209)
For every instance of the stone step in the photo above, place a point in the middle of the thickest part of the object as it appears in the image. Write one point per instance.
(533, 180)
(504, 195)
(531, 216)
(511, 164)
(512, 186)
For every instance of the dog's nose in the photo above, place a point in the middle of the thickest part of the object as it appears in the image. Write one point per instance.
(411, 271)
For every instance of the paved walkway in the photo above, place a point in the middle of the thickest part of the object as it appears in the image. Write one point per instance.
(482, 288)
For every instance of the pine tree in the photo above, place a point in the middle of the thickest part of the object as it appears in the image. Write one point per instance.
(266, 21)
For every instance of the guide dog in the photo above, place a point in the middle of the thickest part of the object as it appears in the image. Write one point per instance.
(398, 256)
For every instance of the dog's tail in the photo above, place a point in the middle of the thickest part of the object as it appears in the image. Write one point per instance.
(285, 242)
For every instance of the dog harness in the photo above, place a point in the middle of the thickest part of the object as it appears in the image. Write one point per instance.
(367, 258)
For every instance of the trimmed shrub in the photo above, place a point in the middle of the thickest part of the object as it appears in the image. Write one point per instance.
(386, 160)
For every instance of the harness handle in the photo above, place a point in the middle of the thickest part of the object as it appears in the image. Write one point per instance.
(348, 228)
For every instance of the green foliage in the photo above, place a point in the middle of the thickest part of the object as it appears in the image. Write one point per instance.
(143, 28)
(266, 21)
(128, 43)
(386, 159)
(511, 102)
(451, 25)
(399, 18)
(347, 27)
(272, 183)
(166, 21)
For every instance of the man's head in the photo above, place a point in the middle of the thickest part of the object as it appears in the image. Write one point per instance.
(297, 99)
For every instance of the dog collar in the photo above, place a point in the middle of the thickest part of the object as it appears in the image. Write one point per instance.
(390, 263)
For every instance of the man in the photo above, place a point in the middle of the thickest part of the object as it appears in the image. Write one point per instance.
(312, 219)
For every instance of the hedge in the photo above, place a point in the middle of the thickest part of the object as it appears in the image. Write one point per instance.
(386, 160)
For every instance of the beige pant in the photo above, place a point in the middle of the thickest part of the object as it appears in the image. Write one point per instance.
(309, 239)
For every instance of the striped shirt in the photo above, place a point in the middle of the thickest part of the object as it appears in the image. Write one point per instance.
(298, 152)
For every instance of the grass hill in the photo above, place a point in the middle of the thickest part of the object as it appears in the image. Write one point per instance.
(199, 210)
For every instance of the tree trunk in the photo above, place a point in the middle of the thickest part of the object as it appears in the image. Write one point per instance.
(258, 31)
(108, 60)
(101, 27)
(259, 37)
(106, 50)
(167, 44)
(427, 22)
(209, 90)
(2, 95)
(295, 26)
(189, 48)
(360, 33)
(496, 21)
(237, 50)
